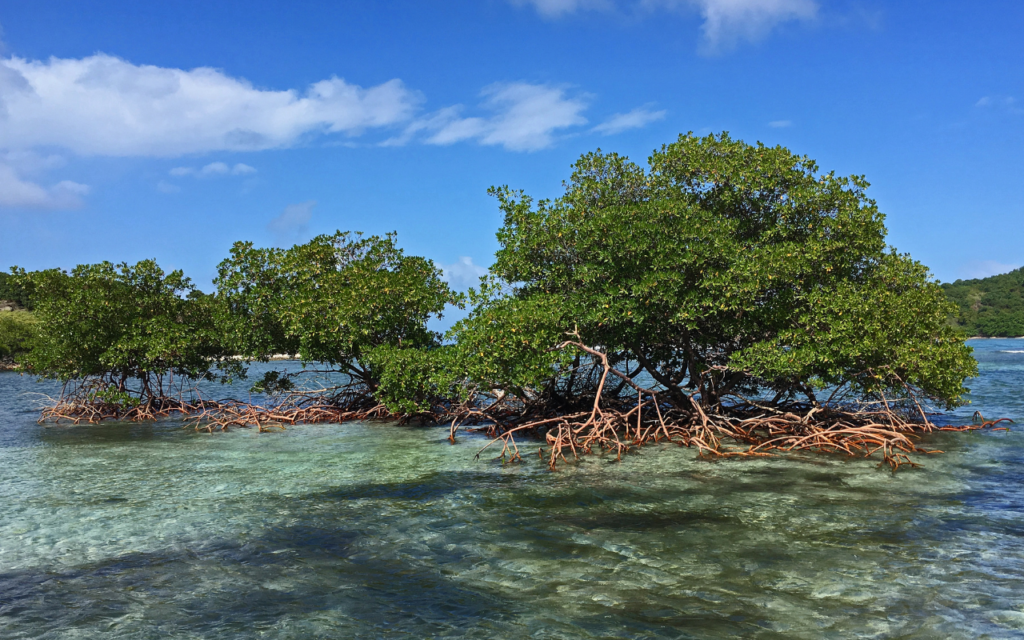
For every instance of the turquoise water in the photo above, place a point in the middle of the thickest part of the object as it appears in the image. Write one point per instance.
(372, 530)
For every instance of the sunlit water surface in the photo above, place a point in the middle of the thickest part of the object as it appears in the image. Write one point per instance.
(373, 530)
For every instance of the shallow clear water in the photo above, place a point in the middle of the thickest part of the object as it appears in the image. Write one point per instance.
(371, 530)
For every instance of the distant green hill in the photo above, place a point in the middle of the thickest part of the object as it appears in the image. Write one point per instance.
(993, 306)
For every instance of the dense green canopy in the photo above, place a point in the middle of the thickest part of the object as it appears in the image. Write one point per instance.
(333, 300)
(17, 331)
(14, 291)
(123, 324)
(722, 269)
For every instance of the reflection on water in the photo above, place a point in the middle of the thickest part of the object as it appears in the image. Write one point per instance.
(372, 530)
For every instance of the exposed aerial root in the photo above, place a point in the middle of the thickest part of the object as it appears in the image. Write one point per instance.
(210, 416)
(94, 400)
(291, 411)
(77, 411)
(738, 431)
(616, 421)
(619, 424)
(90, 402)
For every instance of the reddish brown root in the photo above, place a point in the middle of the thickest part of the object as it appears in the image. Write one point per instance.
(77, 411)
(618, 431)
(618, 425)
(610, 424)
(293, 410)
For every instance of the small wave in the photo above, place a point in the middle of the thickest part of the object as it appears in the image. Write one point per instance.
(1012, 351)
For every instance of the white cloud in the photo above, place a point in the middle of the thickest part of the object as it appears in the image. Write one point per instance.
(726, 22)
(72, 188)
(463, 274)
(556, 8)
(21, 173)
(30, 162)
(166, 187)
(213, 169)
(525, 117)
(984, 268)
(780, 124)
(1007, 103)
(996, 101)
(18, 192)
(15, 192)
(292, 226)
(102, 105)
(635, 119)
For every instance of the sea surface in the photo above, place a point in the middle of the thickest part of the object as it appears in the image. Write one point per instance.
(369, 530)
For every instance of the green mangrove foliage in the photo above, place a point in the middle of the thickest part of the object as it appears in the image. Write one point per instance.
(725, 269)
(724, 293)
(12, 290)
(118, 336)
(723, 286)
(18, 326)
(350, 303)
(17, 331)
(502, 350)
(991, 307)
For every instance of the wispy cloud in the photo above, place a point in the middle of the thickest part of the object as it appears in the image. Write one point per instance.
(556, 8)
(635, 119)
(21, 193)
(523, 117)
(985, 268)
(1003, 103)
(463, 274)
(30, 162)
(726, 22)
(292, 226)
(23, 182)
(213, 169)
(166, 187)
(780, 124)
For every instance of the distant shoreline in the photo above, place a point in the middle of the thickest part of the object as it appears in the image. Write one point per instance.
(276, 356)
(996, 338)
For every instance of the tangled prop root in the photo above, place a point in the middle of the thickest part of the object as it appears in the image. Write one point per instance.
(95, 399)
(298, 408)
(91, 412)
(327, 405)
(619, 425)
(830, 430)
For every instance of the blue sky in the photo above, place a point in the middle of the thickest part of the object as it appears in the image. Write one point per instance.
(131, 130)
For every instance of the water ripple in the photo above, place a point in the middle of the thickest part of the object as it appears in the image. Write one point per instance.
(371, 530)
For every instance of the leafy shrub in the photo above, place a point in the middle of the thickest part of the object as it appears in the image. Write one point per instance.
(129, 326)
(17, 329)
(333, 300)
(15, 291)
